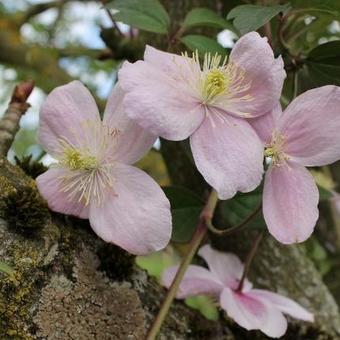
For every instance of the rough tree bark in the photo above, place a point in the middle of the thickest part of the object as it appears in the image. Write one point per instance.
(68, 284)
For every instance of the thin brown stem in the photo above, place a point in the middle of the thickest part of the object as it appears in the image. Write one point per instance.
(236, 227)
(249, 260)
(114, 23)
(194, 244)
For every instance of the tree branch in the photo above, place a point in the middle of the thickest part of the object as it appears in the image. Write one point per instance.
(9, 125)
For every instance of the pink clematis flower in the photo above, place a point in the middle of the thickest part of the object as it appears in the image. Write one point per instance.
(250, 308)
(175, 97)
(306, 134)
(93, 177)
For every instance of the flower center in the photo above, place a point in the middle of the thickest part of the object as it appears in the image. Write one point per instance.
(215, 83)
(275, 149)
(75, 160)
(90, 159)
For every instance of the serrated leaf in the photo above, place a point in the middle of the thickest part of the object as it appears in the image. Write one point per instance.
(203, 44)
(204, 17)
(249, 18)
(148, 15)
(323, 64)
(186, 207)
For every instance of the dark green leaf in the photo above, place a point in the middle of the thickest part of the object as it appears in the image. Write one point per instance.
(249, 18)
(203, 44)
(323, 64)
(327, 6)
(204, 17)
(186, 207)
(239, 208)
(148, 15)
(329, 50)
(324, 193)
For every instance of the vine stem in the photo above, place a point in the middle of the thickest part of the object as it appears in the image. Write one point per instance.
(228, 231)
(200, 233)
(249, 260)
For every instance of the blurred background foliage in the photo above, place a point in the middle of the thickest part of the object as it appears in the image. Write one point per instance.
(56, 41)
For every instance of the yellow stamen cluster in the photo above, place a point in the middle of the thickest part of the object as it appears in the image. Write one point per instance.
(215, 83)
(75, 160)
(275, 149)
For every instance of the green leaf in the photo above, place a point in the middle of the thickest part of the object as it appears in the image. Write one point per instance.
(204, 17)
(327, 6)
(155, 263)
(6, 268)
(324, 194)
(148, 15)
(204, 305)
(240, 207)
(323, 64)
(203, 44)
(249, 18)
(186, 207)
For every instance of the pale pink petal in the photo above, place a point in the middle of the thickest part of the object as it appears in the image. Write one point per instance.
(225, 266)
(63, 114)
(135, 214)
(50, 188)
(262, 72)
(290, 202)
(251, 313)
(133, 142)
(229, 154)
(196, 281)
(169, 62)
(158, 103)
(265, 125)
(284, 304)
(311, 125)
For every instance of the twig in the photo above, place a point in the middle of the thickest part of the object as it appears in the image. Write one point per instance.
(232, 229)
(114, 23)
(9, 124)
(195, 242)
(249, 260)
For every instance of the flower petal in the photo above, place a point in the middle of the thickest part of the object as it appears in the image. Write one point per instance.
(133, 142)
(284, 304)
(135, 215)
(62, 114)
(252, 313)
(168, 62)
(229, 154)
(49, 186)
(158, 103)
(196, 281)
(265, 77)
(225, 266)
(311, 125)
(290, 202)
(265, 125)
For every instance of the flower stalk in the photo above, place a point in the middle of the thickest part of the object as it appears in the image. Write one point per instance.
(200, 233)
